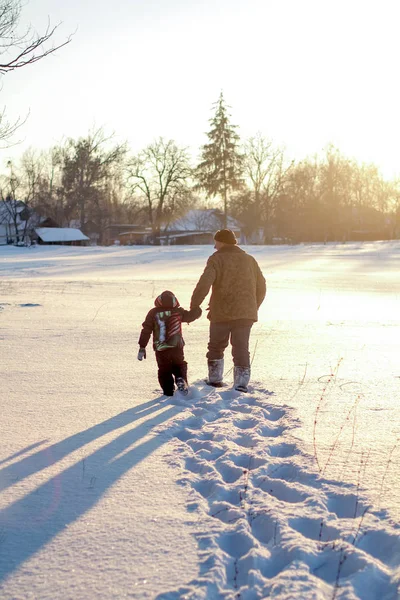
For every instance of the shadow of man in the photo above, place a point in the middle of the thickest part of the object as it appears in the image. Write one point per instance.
(50, 455)
(30, 523)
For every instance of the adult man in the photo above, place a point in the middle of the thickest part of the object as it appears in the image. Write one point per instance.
(238, 289)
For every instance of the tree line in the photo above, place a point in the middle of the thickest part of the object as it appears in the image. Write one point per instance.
(326, 197)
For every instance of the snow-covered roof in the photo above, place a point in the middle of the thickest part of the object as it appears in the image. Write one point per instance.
(204, 220)
(60, 234)
(183, 234)
(143, 231)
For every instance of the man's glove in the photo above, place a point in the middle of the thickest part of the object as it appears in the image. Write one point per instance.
(141, 354)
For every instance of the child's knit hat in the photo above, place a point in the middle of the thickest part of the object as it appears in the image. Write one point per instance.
(166, 300)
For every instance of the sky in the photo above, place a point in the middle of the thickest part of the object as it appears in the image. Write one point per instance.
(305, 74)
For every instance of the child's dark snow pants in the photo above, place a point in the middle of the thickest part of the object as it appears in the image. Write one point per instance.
(171, 363)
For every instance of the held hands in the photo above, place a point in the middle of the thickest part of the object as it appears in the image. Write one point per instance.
(197, 311)
(141, 354)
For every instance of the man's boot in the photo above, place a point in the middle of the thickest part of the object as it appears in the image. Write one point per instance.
(215, 372)
(241, 378)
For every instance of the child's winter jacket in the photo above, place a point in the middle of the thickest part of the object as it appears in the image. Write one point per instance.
(165, 323)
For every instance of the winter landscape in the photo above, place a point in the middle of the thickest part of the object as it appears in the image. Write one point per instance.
(111, 490)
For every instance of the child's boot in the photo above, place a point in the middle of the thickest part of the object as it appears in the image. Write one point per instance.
(182, 386)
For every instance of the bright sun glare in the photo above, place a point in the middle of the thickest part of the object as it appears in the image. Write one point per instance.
(305, 74)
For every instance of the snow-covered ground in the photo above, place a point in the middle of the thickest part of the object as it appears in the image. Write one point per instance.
(110, 490)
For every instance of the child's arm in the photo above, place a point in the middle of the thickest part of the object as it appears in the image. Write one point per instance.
(147, 329)
(190, 315)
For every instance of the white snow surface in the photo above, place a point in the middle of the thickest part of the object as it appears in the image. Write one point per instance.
(110, 490)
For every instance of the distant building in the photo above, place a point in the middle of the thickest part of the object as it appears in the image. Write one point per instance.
(136, 237)
(66, 236)
(89, 228)
(47, 222)
(125, 234)
(13, 221)
(198, 227)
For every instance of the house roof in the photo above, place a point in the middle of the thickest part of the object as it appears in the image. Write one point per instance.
(144, 231)
(183, 234)
(127, 226)
(60, 234)
(206, 220)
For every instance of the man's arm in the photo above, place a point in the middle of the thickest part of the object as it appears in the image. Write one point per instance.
(203, 285)
(261, 286)
(147, 329)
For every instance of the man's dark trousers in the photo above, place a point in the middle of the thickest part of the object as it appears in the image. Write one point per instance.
(171, 363)
(238, 332)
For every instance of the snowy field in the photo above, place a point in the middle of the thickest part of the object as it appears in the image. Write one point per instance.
(110, 490)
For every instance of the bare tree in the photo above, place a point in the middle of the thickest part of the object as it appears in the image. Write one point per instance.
(88, 166)
(160, 174)
(259, 158)
(131, 210)
(298, 211)
(41, 178)
(265, 169)
(396, 209)
(25, 48)
(13, 212)
(31, 174)
(18, 50)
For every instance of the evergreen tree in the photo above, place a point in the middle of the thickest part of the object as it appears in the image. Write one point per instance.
(220, 168)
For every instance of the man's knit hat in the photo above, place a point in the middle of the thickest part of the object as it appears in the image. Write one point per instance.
(226, 236)
(166, 300)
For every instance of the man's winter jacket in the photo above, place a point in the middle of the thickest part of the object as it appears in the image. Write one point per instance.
(238, 285)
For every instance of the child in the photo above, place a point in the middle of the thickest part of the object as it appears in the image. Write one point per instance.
(165, 323)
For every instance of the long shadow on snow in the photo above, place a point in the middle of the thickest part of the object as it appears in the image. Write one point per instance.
(21, 452)
(50, 455)
(30, 523)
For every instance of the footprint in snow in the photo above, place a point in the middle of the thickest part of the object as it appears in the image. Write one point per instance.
(245, 423)
(315, 529)
(263, 527)
(272, 512)
(225, 512)
(346, 506)
(280, 490)
(247, 461)
(283, 450)
(228, 470)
